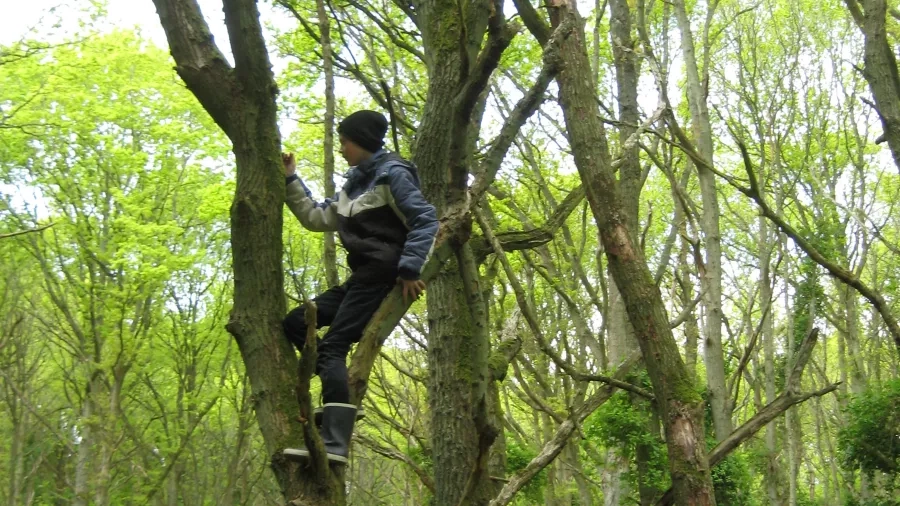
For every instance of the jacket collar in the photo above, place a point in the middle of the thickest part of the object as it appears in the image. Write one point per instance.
(371, 162)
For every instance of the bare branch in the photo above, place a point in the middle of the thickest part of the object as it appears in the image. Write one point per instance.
(514, 241)
(29, 231)
(531, 319)
(560, 439)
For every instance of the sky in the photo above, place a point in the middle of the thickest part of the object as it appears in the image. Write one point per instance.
(21, 16)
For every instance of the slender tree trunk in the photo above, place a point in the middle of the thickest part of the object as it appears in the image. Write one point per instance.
(630, 183)
(83, 459)
(713, 354)
(330, 250)
(681, 408)
(768, 335)
(16, 458)
(615, 488)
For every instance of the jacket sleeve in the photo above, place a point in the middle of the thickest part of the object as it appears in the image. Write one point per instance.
(420, 218)
(314, 216)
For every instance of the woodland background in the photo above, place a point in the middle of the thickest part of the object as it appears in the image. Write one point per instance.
(119, 383)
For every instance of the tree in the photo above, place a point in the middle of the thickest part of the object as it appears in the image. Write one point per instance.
(680, 407)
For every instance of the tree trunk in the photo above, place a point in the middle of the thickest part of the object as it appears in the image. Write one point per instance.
(330, 250)
(880, 68)
(83, 458)
(681, 408)
(242, 102)
(768, 334)
(16, 457)
(713, 353)
(458, 333)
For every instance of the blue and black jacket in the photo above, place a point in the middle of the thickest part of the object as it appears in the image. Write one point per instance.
(380, 214)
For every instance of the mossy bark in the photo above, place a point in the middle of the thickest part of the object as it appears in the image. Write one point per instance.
(458, 335)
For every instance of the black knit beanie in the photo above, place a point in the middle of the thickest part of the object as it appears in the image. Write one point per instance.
(365, 128)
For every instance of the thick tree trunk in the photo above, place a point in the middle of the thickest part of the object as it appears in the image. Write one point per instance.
(680, 406)
(880, 67)
(242, 101)
(713, 353)
(330, 250)
(458, 333)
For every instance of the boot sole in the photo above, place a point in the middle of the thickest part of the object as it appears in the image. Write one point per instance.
(303, 456)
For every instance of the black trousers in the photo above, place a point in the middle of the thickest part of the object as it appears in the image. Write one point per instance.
(345, 310)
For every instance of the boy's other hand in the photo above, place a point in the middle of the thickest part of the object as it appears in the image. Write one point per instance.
(290, 164)
(412, 289)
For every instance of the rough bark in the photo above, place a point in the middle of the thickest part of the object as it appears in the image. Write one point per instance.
(713, 354)
(680, 406)
(458, 347)
(241, 100)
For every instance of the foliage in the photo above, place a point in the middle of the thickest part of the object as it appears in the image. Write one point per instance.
(871, 438)
(113, 353)
(517, 458)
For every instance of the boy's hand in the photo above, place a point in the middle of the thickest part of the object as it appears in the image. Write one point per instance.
(411, 288)
(290, 165)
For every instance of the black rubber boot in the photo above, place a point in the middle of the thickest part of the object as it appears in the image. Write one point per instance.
(317, 415)
(336, 430)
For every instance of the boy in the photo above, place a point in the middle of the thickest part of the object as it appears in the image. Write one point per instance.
(388, 230)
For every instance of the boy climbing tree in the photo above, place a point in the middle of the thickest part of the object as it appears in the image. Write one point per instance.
(388, 230)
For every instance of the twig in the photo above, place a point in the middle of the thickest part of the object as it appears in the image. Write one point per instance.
(29, 231)
(390, 106)
(531, 319)
(555, 445)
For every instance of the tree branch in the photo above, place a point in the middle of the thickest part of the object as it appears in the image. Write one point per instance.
(514, 241)
(771, 411)
(523, 110)
(531, 319)
(29, 231)
(500, 35)
(306, 367)
(394, 307)
(198, 61)
(392, 454)
(539, 28)
(560, 439)
(844, 275)
(507, 349)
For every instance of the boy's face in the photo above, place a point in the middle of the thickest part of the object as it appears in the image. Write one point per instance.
(352, 153)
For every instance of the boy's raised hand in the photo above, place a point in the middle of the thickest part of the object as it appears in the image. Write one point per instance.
(412, 289)
(290, 164)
